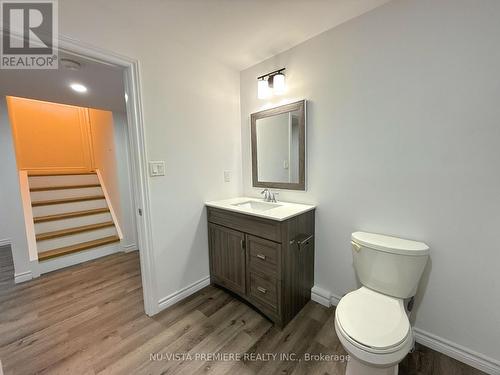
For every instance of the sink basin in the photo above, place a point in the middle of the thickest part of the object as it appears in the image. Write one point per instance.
(280, 211)
(256, 206)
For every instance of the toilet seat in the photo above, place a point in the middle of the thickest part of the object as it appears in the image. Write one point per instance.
(372, 321)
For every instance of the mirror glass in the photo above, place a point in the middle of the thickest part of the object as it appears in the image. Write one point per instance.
(278, 147)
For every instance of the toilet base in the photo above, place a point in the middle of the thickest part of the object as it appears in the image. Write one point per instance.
(356, 367)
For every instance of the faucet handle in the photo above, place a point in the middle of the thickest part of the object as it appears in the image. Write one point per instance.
(267, 194)
(272, 196)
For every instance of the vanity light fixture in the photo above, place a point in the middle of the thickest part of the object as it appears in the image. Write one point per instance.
(279, 84)
(271, 83)
(263, 91)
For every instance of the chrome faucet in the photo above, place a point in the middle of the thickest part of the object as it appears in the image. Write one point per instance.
(269, 196)
(266, 193)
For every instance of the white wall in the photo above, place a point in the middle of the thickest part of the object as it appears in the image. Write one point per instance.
(123, 164)
(403, 139)
(12, 227)
(191, 115)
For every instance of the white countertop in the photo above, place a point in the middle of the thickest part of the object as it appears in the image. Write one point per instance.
(282, 212)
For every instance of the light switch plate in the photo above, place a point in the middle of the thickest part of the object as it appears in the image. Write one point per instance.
(156, 168)
(227, 176)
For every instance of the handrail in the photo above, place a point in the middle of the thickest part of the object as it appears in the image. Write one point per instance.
(110, 206)
(28, 215)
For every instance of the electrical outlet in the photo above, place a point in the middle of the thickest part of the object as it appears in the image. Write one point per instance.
(227, 176)
(156, 168)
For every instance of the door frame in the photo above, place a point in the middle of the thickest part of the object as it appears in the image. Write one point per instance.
(138, 154)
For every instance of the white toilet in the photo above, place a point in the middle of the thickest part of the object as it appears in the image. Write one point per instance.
(372, 322)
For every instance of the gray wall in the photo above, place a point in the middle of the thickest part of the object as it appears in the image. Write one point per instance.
(403, 139)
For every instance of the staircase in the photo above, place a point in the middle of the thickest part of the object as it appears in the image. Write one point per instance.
(70, 214)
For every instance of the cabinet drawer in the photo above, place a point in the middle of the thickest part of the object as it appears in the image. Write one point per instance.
(264, 290)
(245, 223)
(264, 256)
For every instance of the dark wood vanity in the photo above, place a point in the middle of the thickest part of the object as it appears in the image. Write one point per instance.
(267, 262)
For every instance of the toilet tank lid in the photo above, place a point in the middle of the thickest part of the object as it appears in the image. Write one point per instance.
(390, 244)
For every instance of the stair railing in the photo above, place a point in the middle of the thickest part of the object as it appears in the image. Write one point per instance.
(28, 215)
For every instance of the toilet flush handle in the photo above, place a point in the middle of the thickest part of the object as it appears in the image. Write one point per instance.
(355, 246)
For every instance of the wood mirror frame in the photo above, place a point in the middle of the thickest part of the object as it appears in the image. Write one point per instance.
(299, 106)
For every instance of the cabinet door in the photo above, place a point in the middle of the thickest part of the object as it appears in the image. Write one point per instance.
(227, 258)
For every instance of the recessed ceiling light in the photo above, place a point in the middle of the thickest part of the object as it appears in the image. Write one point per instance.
(78, 87)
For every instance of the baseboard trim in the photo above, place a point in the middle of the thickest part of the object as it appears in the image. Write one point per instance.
(324, 297)
(321, 296)
(23, 277)
(175, 297)
(439, 344)
(130, 247)
(460, 353)
(76, 258)
(5, 242)
(334, 299)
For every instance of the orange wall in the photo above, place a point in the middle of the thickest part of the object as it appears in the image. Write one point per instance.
(50, 136)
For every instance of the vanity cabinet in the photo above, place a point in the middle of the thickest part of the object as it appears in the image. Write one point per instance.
(267, 262)
(228, 257)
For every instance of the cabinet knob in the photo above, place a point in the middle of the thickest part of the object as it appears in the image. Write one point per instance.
(261, 256)
(262, 290)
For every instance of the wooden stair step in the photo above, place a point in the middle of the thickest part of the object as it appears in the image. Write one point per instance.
(36, 174)
(67, 200)
(47, 188)
(70, 231)
(69, 215)
(76, 248)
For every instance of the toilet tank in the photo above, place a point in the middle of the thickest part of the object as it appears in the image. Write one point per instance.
(389, 265)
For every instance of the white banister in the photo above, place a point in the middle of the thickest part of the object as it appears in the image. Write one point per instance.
(28, 215)
(110, 206)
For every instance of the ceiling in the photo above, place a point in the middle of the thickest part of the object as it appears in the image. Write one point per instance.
(238, 33)
(104, 84)
(242, 33)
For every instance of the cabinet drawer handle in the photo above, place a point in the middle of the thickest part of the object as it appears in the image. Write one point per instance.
(262, 290)
(261, 256)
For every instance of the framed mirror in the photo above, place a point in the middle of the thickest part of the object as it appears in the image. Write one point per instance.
(278, 147)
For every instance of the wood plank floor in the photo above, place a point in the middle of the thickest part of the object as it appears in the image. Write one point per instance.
(89, 319)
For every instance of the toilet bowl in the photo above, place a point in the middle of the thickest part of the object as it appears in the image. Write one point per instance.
(374, 330)
(371, 322)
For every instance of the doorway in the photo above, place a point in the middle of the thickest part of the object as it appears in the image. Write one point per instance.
(136, 149)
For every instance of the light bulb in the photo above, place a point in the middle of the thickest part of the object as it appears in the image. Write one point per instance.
(279, 84)
(262, 89)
